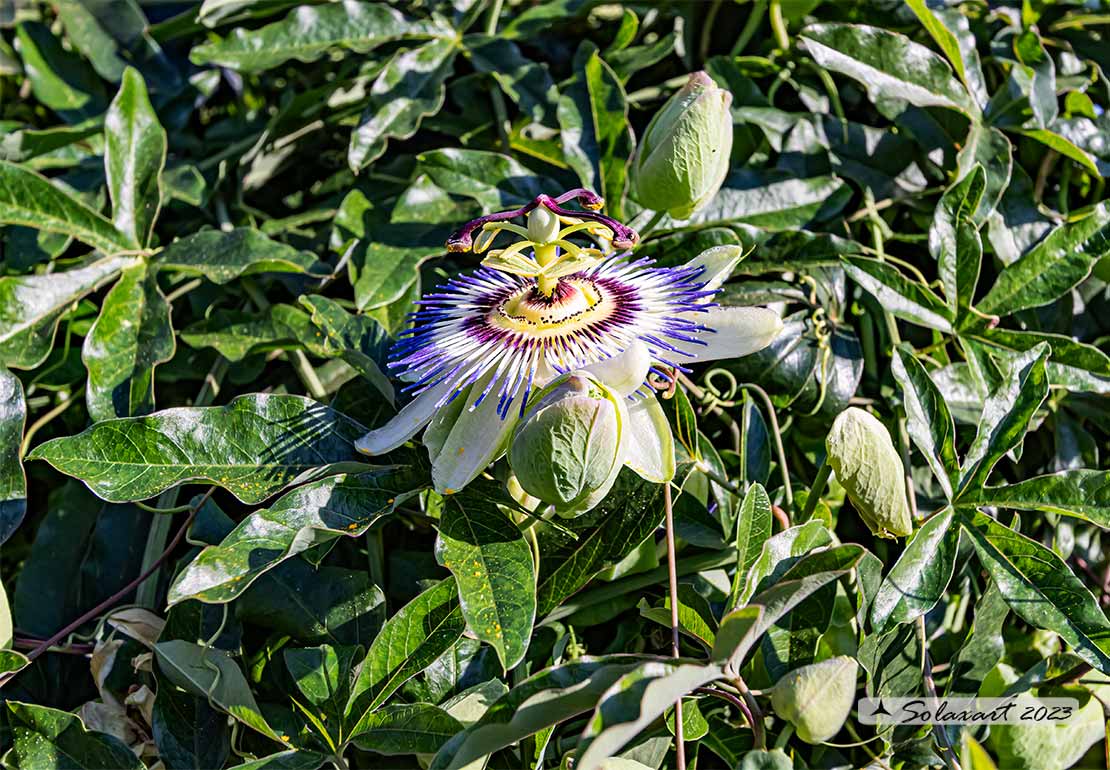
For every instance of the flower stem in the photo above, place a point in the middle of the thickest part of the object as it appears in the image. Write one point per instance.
(672, 580)
(755, 18)
(778, 26)
(816, 490)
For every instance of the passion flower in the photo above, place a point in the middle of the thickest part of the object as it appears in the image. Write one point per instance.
(545, 306)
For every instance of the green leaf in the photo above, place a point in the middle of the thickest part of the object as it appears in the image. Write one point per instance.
(541, 701)
(526, 82)
(131, 336)
(357, 339)
(1040, 75)
(323, 677)
(224, 256)
(684, 421)
(984, 645)
(255, 446)
(1064, 146)
(410, 641)
(888, 65)
(1006, 416)
(13, 481)
(495, 572)
(954, 240)
(1071, 364)
(633, 702)
(59, 79)
(1053, 266)
(236, 335)
(741, 629)
(32, 306)
(410, 728)
(1080, 492)
(309, 32)
(988, 147)
(48, 738)
(494, 180)
(593, 120)
(781, 551)
(905, 298)
(29, 199)
(627, 516)
(1041, 589)
(919, 578)
(211, 673)
(309, 515)
(188, 732)
(286, 760)
(928, 420)
(954, 48)
(134, 156)
(753, 529)
(410, 88)
(774, 200)
(337, 605)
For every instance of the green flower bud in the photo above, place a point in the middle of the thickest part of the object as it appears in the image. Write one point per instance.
(683, 155)
(871, 472)
(817, 698)
(566, 450)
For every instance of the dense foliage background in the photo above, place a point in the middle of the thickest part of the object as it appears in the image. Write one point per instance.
(206, 202)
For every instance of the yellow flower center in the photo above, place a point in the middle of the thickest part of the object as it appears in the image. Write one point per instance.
(575, 303)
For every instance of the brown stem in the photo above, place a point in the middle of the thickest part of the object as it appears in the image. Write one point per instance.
(117, 596)
(672, 579)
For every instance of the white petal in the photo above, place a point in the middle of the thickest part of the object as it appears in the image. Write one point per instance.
(626, 372)
(478, 436)
(737, 331)
(406, 424)
(719, 262)
(647, 445)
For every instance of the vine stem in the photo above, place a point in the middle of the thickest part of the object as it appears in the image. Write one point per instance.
(672, 580)
(108, 603)
(947, 753)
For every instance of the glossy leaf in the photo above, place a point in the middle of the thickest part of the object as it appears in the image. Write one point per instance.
(211, 673)
(903, 297)
(495, 572)
(309, 515)
(134, 156)
(629, 514)
(28, 199)
(888, 65)
(309, 32)
(928, 420)
(254, 447)
(409, 89)
(46, 737)
(753, 528)
(1058, 263)
(1079, 492)
(919, 578)
(224, 256)
(411, 640)
(13, 481)
(32, 306)
(131, 336)
(409, 728)
(954, 240)
(1040, 588)
(1006, 415)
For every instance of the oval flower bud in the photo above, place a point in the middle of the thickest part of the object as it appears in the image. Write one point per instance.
(816, 699)
(871, 472)
(566, 450)
(683, 155)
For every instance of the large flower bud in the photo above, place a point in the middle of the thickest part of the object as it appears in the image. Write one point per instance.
(817, 698)
(683, 155)
(566, 450)
(871, 472)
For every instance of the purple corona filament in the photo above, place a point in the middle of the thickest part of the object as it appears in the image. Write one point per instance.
(624, 237)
